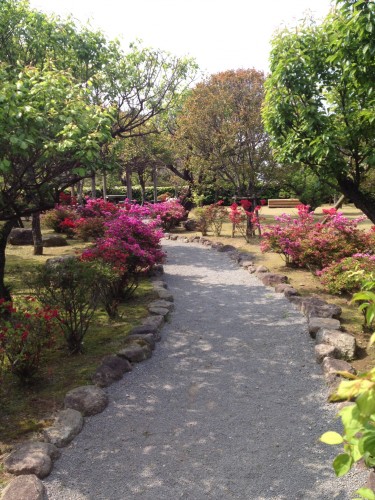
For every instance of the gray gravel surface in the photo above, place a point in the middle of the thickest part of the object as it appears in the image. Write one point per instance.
(230, 406)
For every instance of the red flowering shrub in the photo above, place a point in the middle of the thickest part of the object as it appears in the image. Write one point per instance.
(348, 275)
(244, 220)
(60, 219)
(25, 331)
(305, 243)
(216, 214)
(67, 199)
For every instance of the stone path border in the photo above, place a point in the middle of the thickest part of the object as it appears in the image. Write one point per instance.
(31, 461)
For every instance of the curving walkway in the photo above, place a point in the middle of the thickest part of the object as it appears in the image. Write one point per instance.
(230, 406)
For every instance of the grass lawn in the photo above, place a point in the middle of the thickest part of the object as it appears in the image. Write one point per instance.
(25, 410)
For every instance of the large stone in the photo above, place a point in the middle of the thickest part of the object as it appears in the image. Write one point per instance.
(31, 458)
(165, 294)
(226, 248)
(331, 366)
(273, 279)
(54, 240)
(143, 329)
(157, 270)
(88, 399)
(315, 307)
(262, 269)
(60, 260)
(323, 351)
(316, 324)
(345, 344)
(21, 236)
(135, 353)
(148, 337)
(162, 303)
(190, 225)
(246, 263)
(68, 424)
(26, 487)
(159, 284)
(162, 311)
(112, 368)
(155, 321)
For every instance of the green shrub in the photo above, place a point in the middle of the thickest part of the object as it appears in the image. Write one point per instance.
(72, 287)
(347, 275)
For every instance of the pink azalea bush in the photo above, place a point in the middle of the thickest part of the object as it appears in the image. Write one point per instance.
(244, 218)
(305, 243)
(348, 275)
(170, 213)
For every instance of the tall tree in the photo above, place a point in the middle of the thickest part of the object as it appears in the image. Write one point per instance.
(49, 135)
(221, 129)
(320, 99)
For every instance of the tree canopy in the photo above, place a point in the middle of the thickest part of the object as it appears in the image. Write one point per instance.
(320, 102)
(221, 130)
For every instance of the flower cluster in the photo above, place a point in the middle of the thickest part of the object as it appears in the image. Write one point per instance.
(25, 331)
(169, 213)
(61, 219)
(306, 243)
(244, 218)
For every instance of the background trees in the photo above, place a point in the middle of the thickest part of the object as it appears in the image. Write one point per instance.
(221, 130)
(320, 105)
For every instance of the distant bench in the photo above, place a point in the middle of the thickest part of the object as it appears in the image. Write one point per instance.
(286, 203)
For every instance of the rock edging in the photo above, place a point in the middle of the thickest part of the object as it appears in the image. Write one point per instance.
(33, 460)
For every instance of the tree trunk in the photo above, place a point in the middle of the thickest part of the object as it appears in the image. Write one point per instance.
(128, 174)
(155, 183)
(37, 234)
(104, 186)
(362, 201)
(339, 203)
(80, 192)
(4, 233)
(93, 186)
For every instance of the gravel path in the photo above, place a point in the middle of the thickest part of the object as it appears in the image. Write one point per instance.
(230, 406)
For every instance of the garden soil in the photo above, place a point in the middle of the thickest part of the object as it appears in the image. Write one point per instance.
(230, 406)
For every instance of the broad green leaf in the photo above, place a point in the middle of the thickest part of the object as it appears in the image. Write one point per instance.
(342, 464)
(366, 493)
(331, 437)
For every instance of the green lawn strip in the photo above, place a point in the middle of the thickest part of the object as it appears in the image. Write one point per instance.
(28, 409)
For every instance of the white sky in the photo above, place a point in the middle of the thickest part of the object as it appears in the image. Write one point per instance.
(219, 34)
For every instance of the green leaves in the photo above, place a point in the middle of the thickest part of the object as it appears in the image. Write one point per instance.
(331, 437)
(342, 464)
(366, 494)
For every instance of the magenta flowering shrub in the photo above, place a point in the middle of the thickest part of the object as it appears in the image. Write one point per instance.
(245, 219)
(314, 245)
(348, 275)
(130, 246)
(170, 213)
(97, 208)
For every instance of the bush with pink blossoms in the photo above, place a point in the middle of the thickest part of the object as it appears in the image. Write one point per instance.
(90, 228)
(347, 275)
(97, 208)
(170, 213)
(244, 219)
(314, 245)
(130, 246)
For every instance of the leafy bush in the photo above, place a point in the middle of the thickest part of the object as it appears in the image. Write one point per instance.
(358, 421)
(72, 288)
(366, 297)
(97, 208)
(315, 245)
(90, 228)
(216, 214)
(202, 220)
(26, 330)
(244, 219)
(347, 275)
(60, 219)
